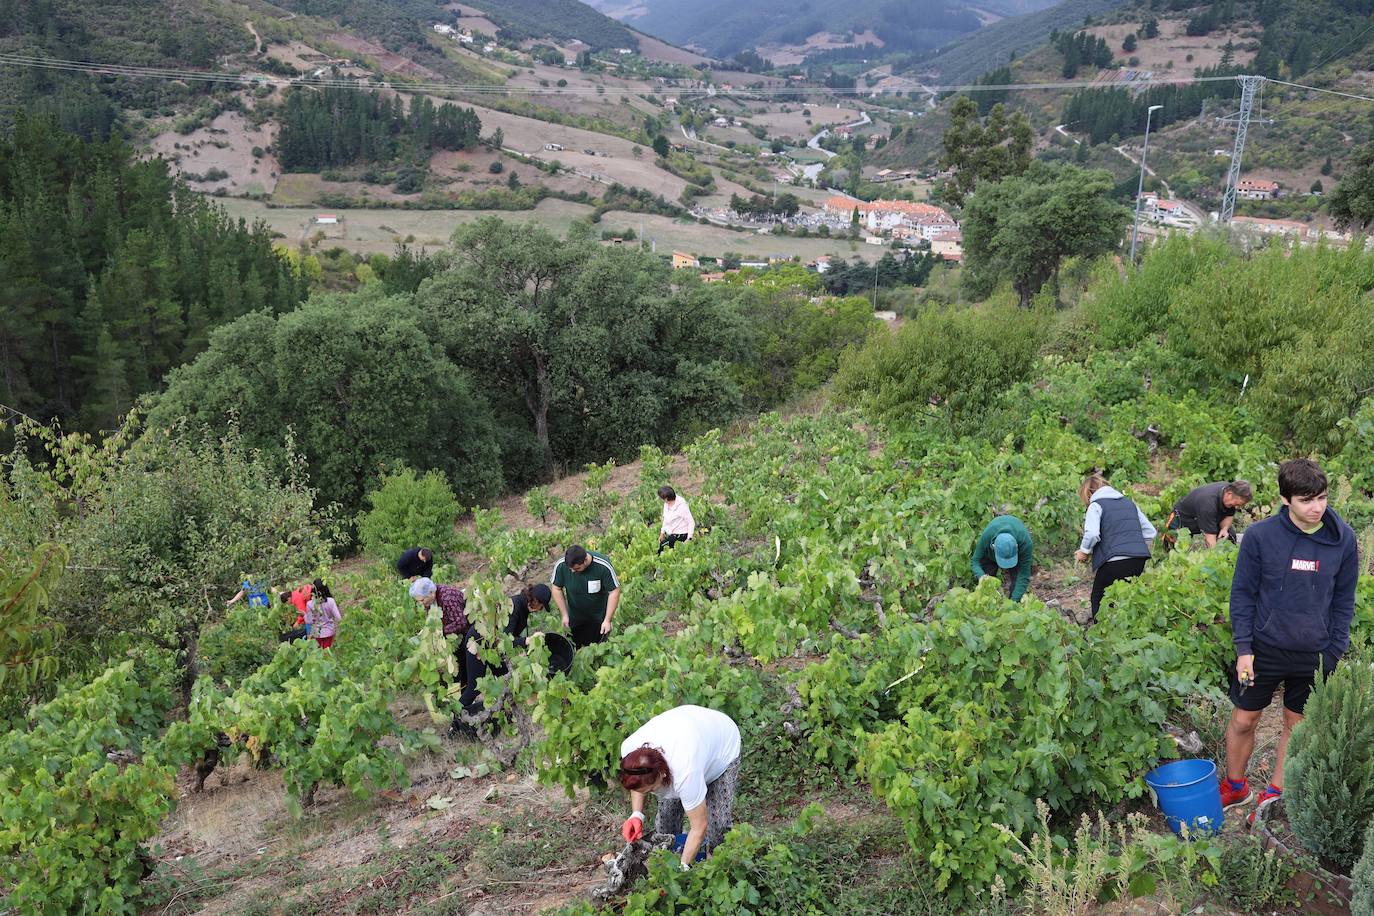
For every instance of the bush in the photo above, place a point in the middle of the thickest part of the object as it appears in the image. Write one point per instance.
(496, 167)
(1330, 773)
(951, 360)
(407, 511)
(244, 641)
(1362, 902)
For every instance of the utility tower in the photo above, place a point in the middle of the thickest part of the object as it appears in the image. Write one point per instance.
(1248, 85)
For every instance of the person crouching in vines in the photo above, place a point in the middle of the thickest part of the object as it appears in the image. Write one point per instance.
(689, 757)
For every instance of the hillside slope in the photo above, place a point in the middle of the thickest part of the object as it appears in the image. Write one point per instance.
(723, 27)
(993, 45)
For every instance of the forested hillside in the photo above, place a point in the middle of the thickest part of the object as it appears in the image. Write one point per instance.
(723, 27)
(114, 273)
(559, 20)
(167, 33)
(993, 45)
(335, 127)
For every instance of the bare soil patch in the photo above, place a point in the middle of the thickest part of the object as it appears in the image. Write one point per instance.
(653, 49)
(793, 123)
(225, 145)
(1174, 45)
(784, 55)
(469, 17)
(388, 61)
(508, 844)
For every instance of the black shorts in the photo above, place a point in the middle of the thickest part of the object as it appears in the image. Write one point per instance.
(1296, 671)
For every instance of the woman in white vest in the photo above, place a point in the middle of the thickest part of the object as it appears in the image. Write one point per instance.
(689, 757)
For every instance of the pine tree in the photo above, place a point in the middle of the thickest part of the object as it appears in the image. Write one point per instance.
(1330, 771)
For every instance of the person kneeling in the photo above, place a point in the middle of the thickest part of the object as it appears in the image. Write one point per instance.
(689, 757)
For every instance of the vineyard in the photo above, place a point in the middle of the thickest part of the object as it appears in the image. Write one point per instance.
(826, 604)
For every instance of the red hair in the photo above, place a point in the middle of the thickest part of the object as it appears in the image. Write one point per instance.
(643, 768)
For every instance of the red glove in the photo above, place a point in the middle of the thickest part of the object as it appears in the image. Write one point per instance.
(633, 828)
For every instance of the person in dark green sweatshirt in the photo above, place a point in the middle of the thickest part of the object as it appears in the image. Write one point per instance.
(1004, 547)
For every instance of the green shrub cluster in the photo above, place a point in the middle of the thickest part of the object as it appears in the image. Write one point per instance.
(1329, 776)
(406, 511)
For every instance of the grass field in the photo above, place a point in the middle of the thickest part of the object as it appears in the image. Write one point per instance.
(368, 231)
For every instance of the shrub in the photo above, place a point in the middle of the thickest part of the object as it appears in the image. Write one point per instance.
(244, 641)
(955, 360)
(496, 167)
(1330, 771)
(1362, 902)
(408, 510)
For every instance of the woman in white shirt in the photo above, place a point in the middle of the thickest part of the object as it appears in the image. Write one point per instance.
(678, 524)
(689, 757)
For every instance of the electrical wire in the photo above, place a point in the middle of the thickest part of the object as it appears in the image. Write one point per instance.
(172, 74)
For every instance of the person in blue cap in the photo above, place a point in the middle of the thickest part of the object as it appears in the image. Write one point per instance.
(1004, 550)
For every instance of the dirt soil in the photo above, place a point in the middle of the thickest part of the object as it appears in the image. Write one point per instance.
(226, 144)
(1174, 45)
(236, 849)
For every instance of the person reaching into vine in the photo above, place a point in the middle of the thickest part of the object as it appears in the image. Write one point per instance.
(689, 757)
(1116, 537)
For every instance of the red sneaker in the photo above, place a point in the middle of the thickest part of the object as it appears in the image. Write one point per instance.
(1267, 797)
(1231, 797)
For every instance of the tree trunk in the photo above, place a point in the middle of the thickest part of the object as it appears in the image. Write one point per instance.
(537, 400)
(188, 641)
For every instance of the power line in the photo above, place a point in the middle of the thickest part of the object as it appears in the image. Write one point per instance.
(172, 74)
(1345, 95)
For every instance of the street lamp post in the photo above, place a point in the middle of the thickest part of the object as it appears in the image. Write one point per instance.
(1140, 187)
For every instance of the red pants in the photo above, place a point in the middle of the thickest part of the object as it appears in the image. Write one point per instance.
(325, 641)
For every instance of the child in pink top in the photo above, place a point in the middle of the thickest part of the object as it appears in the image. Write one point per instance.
(322, 615)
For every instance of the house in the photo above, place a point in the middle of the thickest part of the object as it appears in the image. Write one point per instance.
(327, 219)
(555, 147)
(443, 29)
(823, 264)
(670, 103)
(623, 51)
(948, 243)
(465, 38)
(873, 240)
(570, 61)
(716, 277)
(682, 260)
(1159, 210)
(721, 122)
(487, 49)
(757, 265)
(1257, 189)
(925, 220)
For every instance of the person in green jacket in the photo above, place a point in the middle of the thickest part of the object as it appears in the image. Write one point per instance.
(1004, 548)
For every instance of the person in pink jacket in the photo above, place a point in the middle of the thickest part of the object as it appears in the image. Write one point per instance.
(322, 615)
(678, 524)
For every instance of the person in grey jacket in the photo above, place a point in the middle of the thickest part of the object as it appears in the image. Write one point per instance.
(1116, 536)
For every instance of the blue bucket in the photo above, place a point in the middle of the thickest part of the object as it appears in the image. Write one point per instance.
(680, 843)
(1186, 793)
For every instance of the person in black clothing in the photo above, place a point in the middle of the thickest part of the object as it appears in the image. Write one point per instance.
(416, 562)
(1208, 510)
(1116, 537)
(533, 599)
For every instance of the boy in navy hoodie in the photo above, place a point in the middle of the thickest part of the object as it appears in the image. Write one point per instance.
(1292, 600)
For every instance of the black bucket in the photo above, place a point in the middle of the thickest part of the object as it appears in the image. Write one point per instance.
(560, 653)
